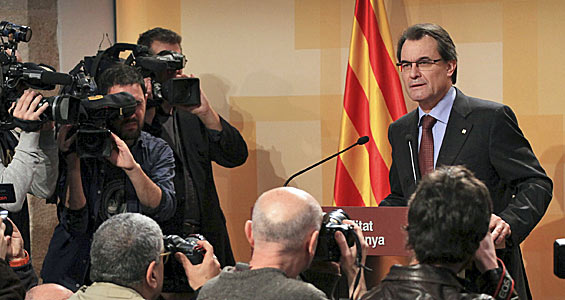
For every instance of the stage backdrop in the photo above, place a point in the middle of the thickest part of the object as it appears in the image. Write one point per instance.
(275, 69)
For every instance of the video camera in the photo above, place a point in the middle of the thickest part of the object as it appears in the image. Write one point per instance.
(181, 91)
(175, 280)
(17, 76)
(327, 249)
(78, 104)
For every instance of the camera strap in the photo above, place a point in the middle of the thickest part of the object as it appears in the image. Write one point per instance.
(358, 263)
(28, 125)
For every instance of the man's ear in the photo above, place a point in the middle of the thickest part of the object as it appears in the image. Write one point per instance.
(451, 65)
(151, 278)
(249, 233)
(313, 242)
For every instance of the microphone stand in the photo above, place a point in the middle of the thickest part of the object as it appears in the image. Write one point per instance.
(360, 141)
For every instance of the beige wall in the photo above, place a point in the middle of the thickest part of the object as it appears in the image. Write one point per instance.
(276, 69)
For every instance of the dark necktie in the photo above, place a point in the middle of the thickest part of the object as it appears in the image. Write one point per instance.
(426, 153)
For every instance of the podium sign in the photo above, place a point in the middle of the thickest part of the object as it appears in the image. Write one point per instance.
(383, 228)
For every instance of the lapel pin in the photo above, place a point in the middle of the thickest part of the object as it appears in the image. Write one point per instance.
(464, 131)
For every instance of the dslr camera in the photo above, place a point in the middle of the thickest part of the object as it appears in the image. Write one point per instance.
(328, 249)
(175, 280)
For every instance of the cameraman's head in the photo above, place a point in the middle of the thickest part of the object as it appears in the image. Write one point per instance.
(448, 217)
(126, 250)
(285, 227)
(124, 78)
(159, 39)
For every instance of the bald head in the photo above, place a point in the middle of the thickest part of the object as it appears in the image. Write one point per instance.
(48, 291)
(285, 215)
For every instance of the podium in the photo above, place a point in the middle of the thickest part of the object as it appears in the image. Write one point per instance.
(383, 229)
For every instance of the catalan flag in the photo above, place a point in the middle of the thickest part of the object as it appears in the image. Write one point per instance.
(373, 99)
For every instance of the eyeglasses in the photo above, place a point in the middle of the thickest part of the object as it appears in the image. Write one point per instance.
(423, 64)
(165, 256)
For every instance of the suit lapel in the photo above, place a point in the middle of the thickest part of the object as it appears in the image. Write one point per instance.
(457, 131)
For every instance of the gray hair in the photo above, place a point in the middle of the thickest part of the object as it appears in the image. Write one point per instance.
(287, 228)
(123, 247)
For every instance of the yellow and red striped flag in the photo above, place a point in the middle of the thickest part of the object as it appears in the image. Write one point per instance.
(373, 99)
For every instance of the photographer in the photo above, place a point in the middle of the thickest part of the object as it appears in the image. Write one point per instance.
(128, 259)
(29, 160)
(198, 136)
(136, 177)
(448, 228)
(283, 236)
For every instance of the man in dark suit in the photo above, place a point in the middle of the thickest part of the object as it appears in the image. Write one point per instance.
(449, 128)
(198, 135)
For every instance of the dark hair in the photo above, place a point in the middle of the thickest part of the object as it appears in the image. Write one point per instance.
(448, 217)
(445, 45)
(119, 74)
(158, 34)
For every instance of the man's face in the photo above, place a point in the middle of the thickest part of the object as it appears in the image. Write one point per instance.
(157, 47)
(426, 87)
(129, 129)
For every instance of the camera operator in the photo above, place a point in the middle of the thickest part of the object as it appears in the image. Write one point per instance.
(448, 228)
(137, 177)
(128, 258)
(198, 136)
(29, 160)
(283, 236)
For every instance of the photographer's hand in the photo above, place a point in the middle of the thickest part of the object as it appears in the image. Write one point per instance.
(26, 106)
(148, 193)
(3, 241)
(15, 244)
(121, 156)
(348, 258)
(485, 256)
(199, 274)
(204, 111)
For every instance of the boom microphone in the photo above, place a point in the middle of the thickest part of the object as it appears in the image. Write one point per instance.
(362, 140)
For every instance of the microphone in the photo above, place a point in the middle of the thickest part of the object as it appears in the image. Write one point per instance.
(409, 139)
(39, 75)
(56, 78)
(362, 140)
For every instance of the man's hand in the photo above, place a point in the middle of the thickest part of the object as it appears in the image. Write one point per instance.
(26, 107)
(121, 156)
(485, 256)
(198, 274)
(15, 244)
(348, 258)
(3, 241)
(204, 111)
(500, 230)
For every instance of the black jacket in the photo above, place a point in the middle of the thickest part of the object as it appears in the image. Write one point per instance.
(429, 282)
(483, 136)
(201, 147)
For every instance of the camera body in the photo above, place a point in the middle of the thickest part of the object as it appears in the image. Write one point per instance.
(174, 276)
(328, 249)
